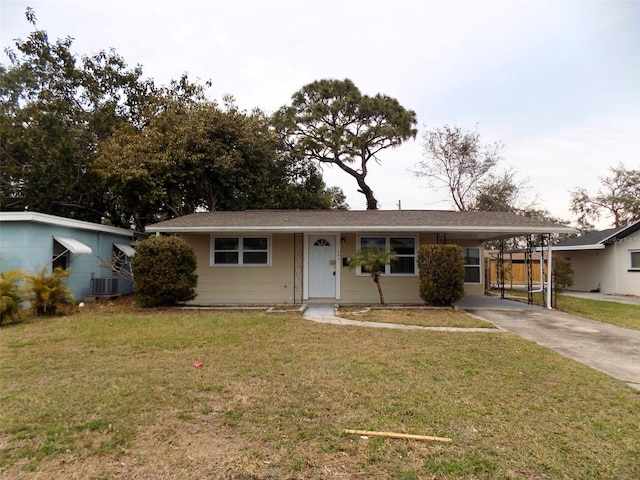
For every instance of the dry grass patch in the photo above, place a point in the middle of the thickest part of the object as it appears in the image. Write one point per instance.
(424, 317)
(114, 394)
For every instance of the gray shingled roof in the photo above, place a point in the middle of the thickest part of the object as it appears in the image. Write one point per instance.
(473, 224)
(598, 239)
(590, 238)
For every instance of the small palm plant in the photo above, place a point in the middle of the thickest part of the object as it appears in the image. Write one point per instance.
(373, 260)
(11, 294)
(49, 294)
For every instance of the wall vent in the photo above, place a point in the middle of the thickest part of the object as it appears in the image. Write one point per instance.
(104, 286)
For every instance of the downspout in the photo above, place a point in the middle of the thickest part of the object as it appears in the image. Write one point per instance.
(549, 276)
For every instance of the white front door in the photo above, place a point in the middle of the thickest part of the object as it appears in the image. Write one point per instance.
(322, 266)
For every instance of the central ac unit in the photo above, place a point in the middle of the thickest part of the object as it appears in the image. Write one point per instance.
(104, 286)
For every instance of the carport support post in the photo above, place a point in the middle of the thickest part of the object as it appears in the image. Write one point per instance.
(549, 276)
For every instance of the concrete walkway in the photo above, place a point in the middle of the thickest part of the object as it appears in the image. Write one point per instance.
(327, 314)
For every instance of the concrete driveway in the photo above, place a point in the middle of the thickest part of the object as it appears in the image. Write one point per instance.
(607, 348)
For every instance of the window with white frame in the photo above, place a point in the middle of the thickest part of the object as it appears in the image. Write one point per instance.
(403, 247)
(60, 256)
(243, 251)
(472, 264)
(635, 259)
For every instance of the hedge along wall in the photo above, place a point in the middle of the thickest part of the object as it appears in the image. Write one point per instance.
(441, 271)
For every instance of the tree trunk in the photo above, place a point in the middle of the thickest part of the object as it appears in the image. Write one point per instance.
(376, 278)
(372, 203)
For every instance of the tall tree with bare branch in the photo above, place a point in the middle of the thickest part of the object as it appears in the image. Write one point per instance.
(618, 199)
(457, 160)
(333, 123)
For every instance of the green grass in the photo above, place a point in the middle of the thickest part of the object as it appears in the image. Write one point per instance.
(621, 314)
(113, 393)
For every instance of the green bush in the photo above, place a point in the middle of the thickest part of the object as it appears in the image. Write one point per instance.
(48, 293)
(163, 271)
(441, 274)
(12, 295)
(562, 273)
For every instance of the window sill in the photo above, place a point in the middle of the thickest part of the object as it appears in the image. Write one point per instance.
(238, 266)
(388, 275)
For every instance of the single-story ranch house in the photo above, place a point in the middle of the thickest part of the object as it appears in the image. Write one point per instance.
(607, 260)
(30, 241)
(284, 257)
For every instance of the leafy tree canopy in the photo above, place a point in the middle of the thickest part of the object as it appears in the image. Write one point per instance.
(89, 138)
(55, 109)
(332, 122)
(200, 156)
(618, 199)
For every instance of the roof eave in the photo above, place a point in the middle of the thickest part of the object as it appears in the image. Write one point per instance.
(568, 248)
(489, 230)
(45, 218)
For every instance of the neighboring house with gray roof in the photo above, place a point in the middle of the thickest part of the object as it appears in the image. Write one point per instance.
(30, 241)
(296, 256)
(606, 260)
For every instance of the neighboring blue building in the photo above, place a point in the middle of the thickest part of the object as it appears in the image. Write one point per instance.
(30, 241)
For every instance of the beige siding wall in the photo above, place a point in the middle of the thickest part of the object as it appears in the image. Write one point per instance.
(274, 284)
(396, 289)
(244, 285)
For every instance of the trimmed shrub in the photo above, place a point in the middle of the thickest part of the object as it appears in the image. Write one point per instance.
(562, 273)
(12, 295)
(163, 271)
(441, 274)
(48, 294)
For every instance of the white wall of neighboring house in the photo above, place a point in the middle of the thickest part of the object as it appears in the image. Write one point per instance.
(627, 280)
(608, 268)
(588, 266)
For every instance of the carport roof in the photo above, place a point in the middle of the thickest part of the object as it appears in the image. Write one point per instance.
(473, 225)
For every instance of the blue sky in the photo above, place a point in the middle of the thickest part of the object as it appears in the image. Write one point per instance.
(558, 82)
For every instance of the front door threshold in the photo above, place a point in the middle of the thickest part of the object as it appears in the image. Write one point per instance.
(323, 300)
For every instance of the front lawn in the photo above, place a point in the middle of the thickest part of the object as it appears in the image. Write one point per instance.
(621, 314)
(112, 393)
